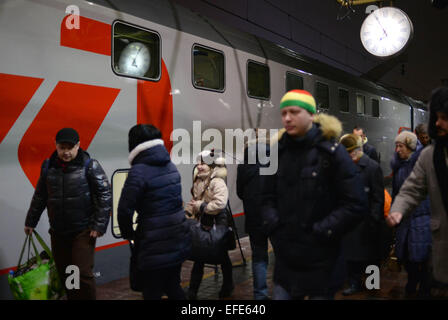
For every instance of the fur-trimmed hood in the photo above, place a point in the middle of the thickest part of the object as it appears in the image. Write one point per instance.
(216, 172)
(139, 149)
(330, 126)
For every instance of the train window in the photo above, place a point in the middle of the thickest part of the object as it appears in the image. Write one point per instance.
(118, 179)
(208, 68)
(293, 81)
(135, 52)
(322, 95)
(343, 101)
(375, 108)
(360, 104)
(258, 80)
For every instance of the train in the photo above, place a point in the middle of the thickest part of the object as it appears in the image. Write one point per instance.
(101, 67)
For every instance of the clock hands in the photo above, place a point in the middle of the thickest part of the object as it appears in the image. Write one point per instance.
(133, 62)
(378, 20)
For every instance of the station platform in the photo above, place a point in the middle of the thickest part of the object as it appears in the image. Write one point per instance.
(392, 284)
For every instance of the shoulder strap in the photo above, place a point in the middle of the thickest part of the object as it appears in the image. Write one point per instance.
(86, 166)
(86, 170)
(46, 166)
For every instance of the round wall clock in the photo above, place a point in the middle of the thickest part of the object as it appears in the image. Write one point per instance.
(134, 59)
(386, 32)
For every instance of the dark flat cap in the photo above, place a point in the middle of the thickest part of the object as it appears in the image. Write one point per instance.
(67, 135)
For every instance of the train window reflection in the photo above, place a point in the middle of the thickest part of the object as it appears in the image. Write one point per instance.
(135, 52)
(375, 108)
(322, 95)
(293, 81)
(360, 104)
(343, 101)
(208, 68)
(258, 80)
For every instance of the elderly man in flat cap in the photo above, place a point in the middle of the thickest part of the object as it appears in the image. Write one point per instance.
(76, 192)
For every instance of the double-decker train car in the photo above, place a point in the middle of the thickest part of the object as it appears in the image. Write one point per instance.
(101, 67)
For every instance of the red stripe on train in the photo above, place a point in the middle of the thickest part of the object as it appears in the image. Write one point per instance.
(155, 105)
(15, 93)
(79, 106)
(92, 35)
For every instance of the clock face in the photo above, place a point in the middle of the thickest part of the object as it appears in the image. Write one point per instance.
(386, 32)
(134, 59)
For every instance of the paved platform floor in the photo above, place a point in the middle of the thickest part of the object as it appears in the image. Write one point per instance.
(392, 282)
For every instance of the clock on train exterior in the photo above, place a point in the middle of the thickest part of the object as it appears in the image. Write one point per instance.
(135, 59)
(386, 32)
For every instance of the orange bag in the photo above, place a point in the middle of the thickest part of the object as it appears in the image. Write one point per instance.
(387, 203)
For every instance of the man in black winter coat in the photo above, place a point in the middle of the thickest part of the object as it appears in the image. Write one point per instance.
(76, 192)
(314, 198)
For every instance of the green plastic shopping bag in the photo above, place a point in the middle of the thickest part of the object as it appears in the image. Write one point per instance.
(37, 278)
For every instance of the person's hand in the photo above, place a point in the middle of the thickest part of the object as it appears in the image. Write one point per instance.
(394, 218)
(95, 234)
(28, 230)
(195, 204)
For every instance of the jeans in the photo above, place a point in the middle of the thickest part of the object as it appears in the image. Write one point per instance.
(162, 281)
(260, 260)
(281, 294)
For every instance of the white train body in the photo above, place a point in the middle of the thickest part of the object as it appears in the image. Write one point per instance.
(44, 80)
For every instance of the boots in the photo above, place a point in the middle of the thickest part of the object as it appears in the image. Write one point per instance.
(355, 285)
(352, 289)
(192, 294)
(226, 290)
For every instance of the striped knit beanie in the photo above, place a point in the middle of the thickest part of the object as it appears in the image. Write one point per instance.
(299, 98)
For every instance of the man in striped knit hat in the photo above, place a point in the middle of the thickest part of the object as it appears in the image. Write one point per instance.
(315, 197)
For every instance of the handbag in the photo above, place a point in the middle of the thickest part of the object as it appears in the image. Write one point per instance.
(230, 235)
(134, 275)
(208, 245)
(37, 278)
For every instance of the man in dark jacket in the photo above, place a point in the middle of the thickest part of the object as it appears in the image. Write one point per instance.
(75, 190)
(247, 185)
(421, 131)
(315, 197)
(367, 148)
(162, 238)
(361, 245)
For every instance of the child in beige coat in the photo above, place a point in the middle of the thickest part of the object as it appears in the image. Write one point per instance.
(208, 203)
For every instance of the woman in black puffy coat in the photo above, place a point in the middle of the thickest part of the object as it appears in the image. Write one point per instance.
(162, 237)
